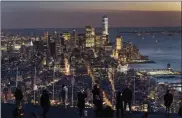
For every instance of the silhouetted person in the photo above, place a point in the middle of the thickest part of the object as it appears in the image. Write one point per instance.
(64, 95)
(18, 96)
(45, 102)
(81, 102)
(168, 99)
(107, 112)
(119, 104)
(180, 111)
(97, 100)
(146, 115)
(127, 97)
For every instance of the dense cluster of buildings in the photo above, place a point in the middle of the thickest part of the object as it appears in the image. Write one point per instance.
(66, 53)
(45, 60)
(57, 45)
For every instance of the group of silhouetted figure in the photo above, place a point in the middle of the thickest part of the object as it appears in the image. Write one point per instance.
(123, 99)
(126, 98)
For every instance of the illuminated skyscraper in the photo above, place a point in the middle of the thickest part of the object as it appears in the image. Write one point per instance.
(74, 35)
(105, 34)
(66, 36)
(90, 36)
(10, 45)
(105, 25)
(98, 40)
(46, 43)
(30, 50)
(46, 35)
(119, 43)
(59, 44)
(23, 50)
(92, 31)
(88, 30)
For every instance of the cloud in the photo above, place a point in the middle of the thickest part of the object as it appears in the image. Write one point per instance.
(41, 18)
(57, 6)
(78, 14)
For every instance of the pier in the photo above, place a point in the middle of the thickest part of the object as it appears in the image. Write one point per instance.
(153, 72)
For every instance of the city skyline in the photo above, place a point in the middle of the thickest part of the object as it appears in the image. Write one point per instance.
(80, 14)
(137, 64)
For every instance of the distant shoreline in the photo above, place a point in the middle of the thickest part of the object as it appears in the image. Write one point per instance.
(145, 62)
(81, 28)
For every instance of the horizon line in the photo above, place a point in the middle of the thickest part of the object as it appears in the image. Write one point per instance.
(96, 27)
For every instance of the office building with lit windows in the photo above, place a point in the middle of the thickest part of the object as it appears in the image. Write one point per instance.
(66, 36)
(105, 32)
(119, 43)
(105, 25)
(98, 40)
(108, 48)
(89, 36)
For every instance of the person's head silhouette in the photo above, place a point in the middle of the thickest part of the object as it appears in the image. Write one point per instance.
(44, 91)
(118, 93)
(95, 86)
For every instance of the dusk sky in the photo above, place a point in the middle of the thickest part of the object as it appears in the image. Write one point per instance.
(79, 14)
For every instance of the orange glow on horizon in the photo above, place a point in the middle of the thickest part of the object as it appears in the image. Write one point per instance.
(143, 6)
(103, 5)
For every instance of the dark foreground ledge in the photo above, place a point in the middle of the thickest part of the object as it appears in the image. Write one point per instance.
(58, 112)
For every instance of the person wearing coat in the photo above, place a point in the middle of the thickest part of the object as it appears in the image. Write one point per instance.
(180, 110)
(97, 100)
(18, 96)
(119, 104)
(168, 99)
(45, 102)
(81, 102)
(127, 97)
